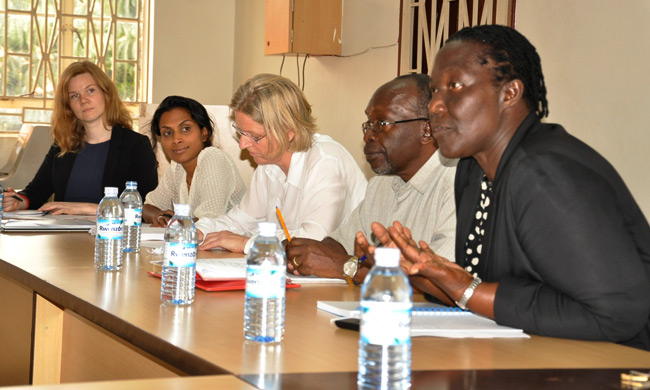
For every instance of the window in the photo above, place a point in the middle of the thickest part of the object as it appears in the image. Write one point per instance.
(40, 38)
(426, 25)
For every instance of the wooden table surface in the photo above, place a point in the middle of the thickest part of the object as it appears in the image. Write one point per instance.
(207, 337)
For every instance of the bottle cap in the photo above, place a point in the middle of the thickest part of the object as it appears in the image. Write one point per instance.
(131, 185)
(266, 229)
(182, 210)
(387, 257)
(110, 191)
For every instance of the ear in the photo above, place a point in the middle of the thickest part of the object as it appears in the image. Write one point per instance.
(290, 135)
(204, 134)
(426, 135)
(512, 93)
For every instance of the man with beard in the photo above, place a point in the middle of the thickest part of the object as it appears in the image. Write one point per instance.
(414, 185)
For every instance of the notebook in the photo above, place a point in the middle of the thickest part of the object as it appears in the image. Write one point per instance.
(47, 225)
(430, 319)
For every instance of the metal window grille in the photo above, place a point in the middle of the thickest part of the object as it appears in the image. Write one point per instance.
(40, 38)
(426, 25)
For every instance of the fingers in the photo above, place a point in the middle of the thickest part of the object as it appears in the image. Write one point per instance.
(381, 233)
(209, 241)
(161, 220)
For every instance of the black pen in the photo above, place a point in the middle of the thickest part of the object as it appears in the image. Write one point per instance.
(166, 215)
(18, 198)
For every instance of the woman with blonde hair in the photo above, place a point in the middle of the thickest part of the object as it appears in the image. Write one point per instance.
(94, 147)
(311, 178)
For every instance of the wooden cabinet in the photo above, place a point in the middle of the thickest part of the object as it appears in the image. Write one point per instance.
(303, 26)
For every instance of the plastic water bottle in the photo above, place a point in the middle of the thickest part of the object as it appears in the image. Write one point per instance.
(179, 261)
(1, 199)
(132, 203)
(385, 342)
(265, 287)
(110, 232)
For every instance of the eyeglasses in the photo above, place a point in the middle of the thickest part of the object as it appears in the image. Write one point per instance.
(378, 126)
(242, 133)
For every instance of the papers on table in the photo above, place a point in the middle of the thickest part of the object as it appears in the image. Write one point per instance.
(149, 233)
(235, 268)
(47, 225)
(22, 214)
(221, 269)
(429, 319)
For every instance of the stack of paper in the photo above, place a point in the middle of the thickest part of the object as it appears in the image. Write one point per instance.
(429, 319)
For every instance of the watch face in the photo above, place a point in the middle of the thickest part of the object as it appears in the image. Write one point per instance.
(350, 268)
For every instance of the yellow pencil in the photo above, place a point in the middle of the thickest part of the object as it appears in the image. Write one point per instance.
(284, 227)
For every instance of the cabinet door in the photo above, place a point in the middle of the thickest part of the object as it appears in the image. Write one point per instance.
(317, 27)
(303, 26)
(277, 27)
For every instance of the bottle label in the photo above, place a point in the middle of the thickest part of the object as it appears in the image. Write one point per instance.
(265, 281)
(179, 255)
(132, 217)
(110, 229)
(386, 323)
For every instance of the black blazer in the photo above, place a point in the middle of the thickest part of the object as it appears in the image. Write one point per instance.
(130, 157)
(565, 239)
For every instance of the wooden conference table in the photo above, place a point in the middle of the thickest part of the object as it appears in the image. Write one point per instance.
(63, 322)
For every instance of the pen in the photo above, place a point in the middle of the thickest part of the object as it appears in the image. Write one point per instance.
(18, 198)
(364, 256)
(167, 215)
(284, 227)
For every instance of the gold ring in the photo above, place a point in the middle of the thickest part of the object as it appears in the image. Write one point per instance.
(295, 262)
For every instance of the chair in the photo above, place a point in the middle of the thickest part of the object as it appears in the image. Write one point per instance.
(26, 156)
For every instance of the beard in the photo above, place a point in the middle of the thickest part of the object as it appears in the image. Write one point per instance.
(385, 168)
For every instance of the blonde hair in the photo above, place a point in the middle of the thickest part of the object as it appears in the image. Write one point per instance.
(68, 132)
(280, 106)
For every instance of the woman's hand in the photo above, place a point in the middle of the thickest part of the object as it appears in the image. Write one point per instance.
(9, 203)
(162, 218)
(427, 271)
(223, 239)
(71, 208)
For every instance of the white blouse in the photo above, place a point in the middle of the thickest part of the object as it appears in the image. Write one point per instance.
(216, 186)
(322, 188)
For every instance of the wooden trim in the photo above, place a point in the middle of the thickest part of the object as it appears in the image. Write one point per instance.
(48, 343)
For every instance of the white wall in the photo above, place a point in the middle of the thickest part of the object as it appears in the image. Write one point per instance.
(595, 57)
(193, 43)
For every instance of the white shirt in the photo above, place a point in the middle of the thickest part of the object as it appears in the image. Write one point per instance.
(425, 204)
(323, 186)
(216, 186)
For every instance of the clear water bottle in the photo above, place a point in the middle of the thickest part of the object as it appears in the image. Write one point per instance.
(385, 342)
(110, 232)
(179, 261)
(265, 287)
(132, 203)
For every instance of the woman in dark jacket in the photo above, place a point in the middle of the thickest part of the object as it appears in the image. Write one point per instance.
(548, 237)
(94, 147)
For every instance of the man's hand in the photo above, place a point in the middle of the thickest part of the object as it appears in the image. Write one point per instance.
(321, 258)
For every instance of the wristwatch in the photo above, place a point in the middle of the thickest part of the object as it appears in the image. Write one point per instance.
(469, 291)
(350, 268)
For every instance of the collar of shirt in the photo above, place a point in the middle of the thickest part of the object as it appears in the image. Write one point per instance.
(421, 181)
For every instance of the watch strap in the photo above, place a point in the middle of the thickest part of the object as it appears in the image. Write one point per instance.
(469, 291)
(349, 278)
